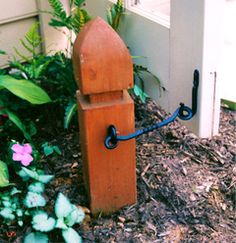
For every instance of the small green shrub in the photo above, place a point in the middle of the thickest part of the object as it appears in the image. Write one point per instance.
(29, 202)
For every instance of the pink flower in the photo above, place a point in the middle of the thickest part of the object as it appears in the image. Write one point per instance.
(22, 153)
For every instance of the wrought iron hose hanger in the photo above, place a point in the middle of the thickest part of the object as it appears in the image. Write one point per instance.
(183, 112)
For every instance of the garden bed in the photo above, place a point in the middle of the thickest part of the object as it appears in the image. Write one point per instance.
(186, 185)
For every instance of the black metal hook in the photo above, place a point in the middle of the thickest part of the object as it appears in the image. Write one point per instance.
(183, 112)
(195, 91)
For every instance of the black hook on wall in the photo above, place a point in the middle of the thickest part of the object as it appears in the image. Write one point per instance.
(183, 112)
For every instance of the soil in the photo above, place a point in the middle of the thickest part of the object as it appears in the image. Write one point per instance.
(186, 185)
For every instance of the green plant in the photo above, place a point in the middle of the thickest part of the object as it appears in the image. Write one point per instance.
(24, 76)
(34, 64)
(74, 21)
(71, 109)
(228, 104)
(67, 215)
(50, 149)
(4, 175)
(139, 70)
(10, 208)
(36, 237)
(25, 90)
(114, 14)
(18, 205)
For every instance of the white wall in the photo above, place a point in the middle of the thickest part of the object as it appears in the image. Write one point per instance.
(227, 75)
(192, 42)
(17, 16)
(54, 40)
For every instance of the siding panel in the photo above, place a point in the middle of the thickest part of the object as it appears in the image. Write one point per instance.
(16, 9)
(10, 34)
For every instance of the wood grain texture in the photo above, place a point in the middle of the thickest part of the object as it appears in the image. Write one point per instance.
(101, 60)
(103, 70)
(110, 175)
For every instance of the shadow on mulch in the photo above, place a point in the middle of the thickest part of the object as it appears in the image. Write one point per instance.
(186, 185)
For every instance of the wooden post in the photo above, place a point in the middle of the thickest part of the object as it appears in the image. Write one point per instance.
(103, 70)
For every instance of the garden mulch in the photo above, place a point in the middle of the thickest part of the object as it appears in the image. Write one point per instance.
(186, 185)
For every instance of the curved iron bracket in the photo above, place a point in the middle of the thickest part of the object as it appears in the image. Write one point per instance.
(183, 112)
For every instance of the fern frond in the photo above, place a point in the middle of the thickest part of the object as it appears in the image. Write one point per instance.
(39, 70)
(23, 57)
(79, 19)
(120, 5)
(28, 48)
(57, 23)
(114, 14)
(32, 36)
(58, 9)
(78, 3)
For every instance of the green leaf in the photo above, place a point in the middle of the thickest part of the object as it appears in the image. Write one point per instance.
(76, 216)
(39, 70)
(6, 204)
(78, 3)
(71, 236)
(4, 175)
(70, 111)
(7, 213)
(36, 238)
(229, 104)
(48, 150)
(41, 222)
(23, 175)
(14, 191)
(60, 224)
(24, 89)
(20, 223)
(63, 207)
(32, 36)
(23, 57)
(114, 14)
(19, 212)
(57, 150)
(33, 200)
(28, 48)
(135, 57)
(5, 197)
(56, 23)
(58, 9)
(33, 174)
(45, 178)
(2, 52)
(16, 120)
(140, 93)
(32, 129)
(37, 187)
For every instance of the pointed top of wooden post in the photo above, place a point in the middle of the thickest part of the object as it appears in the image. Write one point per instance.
(101, 60)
